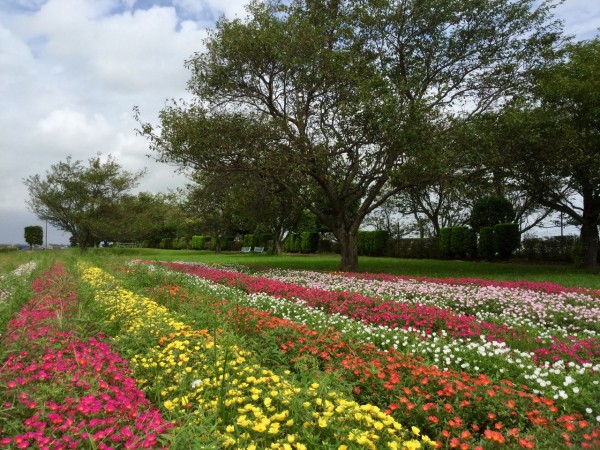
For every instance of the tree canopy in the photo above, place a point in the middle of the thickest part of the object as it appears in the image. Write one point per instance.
(551, 141)
(34, 235)
(330, 98)
(75, 198)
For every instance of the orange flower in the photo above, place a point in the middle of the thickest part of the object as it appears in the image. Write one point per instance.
(511, 404)
(526, 444)
(494, 436)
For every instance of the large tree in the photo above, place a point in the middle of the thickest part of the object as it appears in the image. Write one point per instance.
(34, 235)
(552, 141)
(74, 197)
(328, 98)
(141, 217)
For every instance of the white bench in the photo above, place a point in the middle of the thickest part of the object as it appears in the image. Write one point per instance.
(259, 250)
(246, 249)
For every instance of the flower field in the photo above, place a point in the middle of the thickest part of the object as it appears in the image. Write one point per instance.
(178, 355)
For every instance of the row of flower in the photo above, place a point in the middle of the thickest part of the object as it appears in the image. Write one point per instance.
(455, 408)
(210, 380)
(456, 344)
(8, 280)
(427, 318)
(58, 391)
(544, 314)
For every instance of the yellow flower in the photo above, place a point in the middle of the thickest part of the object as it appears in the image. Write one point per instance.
(415, 430)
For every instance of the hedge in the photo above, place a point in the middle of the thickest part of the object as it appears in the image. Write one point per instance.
(507, 239)
(309, 242)
(446, 243)
(199, 242)
(485, 247)
(419, 248)
(372, 243)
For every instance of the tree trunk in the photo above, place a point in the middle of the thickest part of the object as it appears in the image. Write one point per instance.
(349, 251)
(589, 239)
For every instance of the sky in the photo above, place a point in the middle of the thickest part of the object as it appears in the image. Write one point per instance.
(71, 72)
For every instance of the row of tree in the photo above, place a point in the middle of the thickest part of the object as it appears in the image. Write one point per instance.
(346, 106)
(348, 109)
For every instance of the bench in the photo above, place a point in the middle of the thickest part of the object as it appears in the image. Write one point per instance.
(259, 249)
(246, 249)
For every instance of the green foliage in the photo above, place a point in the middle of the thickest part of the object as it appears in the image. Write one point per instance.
(273, 88)
(261, 240)
(489, 211)
(293, 243)
(445, 242)
(249, 240)
(166, 243)
(77, 199)
(463, 242)
(552, 248)
(199, 242)
(34, 235)
(485, 247)
(507, 239)
(379, 241)
(309, 242)
(180, 243)
(426, 248)
(372, 243)
(257, 240)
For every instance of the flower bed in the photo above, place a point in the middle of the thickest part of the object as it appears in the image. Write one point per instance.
(61, 392)
(200, 379)
(427, 318)
(453, 407)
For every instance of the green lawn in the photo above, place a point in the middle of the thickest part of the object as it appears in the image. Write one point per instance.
(566, 275)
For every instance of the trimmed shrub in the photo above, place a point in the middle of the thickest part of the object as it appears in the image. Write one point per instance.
(379, 242)
(166, 243)
(293, 243)
(463, 242)
(249, 240)
(490, 211)
(180, 243)
(309, 242)
(372, 243)
(262, 240)
(415, 248)
(446, 243)
(198, 242)
(485, 247)
(507, 239)
(362, 242)
(552, 248)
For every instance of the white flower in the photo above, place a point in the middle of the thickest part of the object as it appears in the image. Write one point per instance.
(196, 383)
(588, 410)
